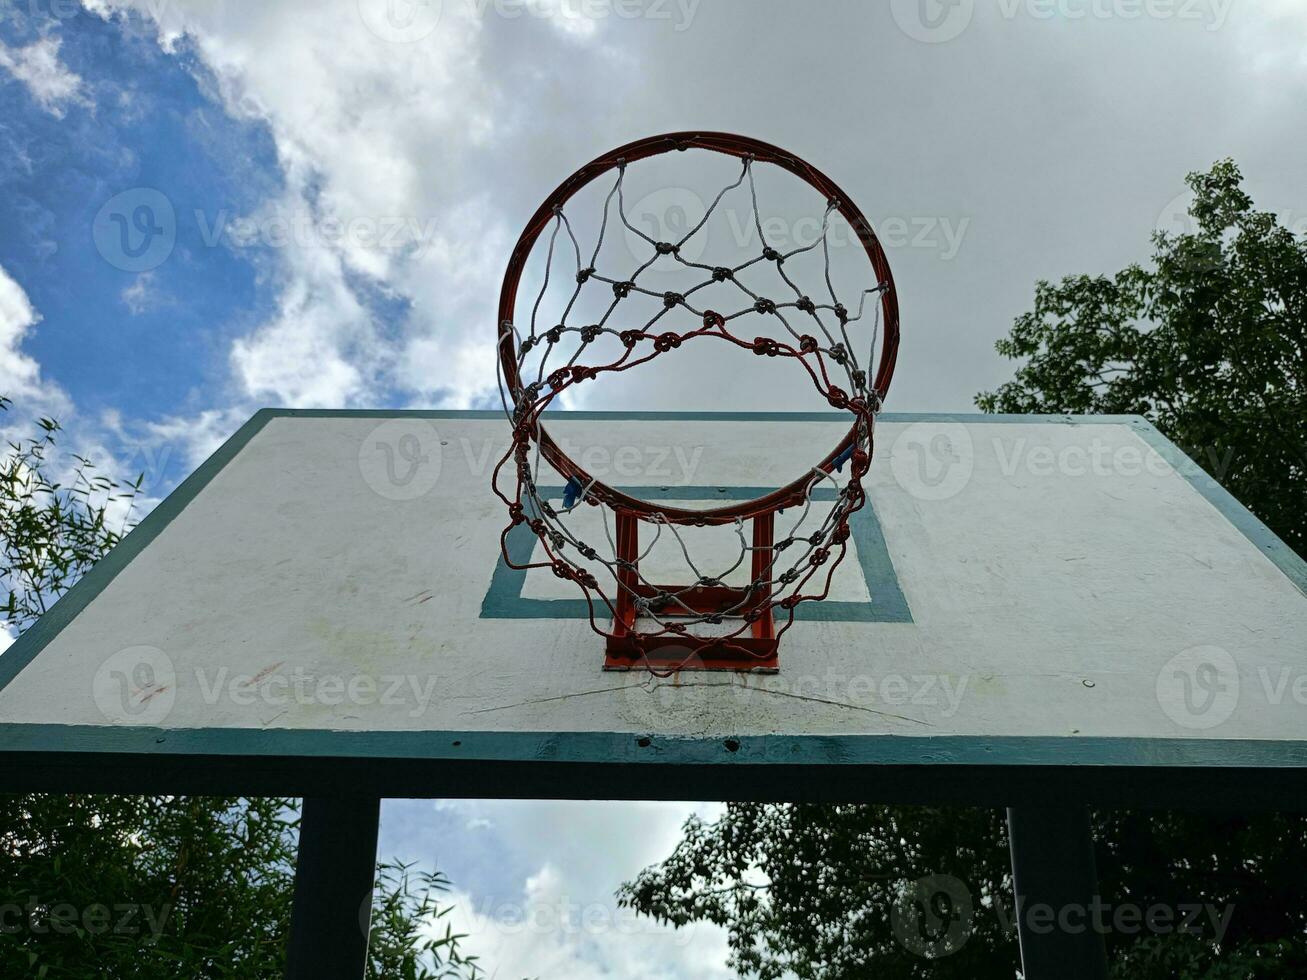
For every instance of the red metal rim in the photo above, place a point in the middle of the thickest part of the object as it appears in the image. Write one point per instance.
(731, 145)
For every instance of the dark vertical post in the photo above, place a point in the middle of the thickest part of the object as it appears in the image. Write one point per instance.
(333, 888)
(1058, 908)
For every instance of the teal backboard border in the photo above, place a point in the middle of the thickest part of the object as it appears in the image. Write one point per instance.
(504, 598)
(23, 742)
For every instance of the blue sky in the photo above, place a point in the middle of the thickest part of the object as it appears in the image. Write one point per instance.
(129, 327)
(210, 207)
(140, 120)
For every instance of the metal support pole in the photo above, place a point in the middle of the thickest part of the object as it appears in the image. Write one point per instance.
(1058, 909)
(333, 888)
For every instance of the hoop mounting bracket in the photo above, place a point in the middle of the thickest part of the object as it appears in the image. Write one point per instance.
(757, 650)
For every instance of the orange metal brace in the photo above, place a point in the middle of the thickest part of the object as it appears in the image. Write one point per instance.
(756, 650)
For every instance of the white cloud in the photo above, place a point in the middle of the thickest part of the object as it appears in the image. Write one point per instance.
(165, 451)
(38, 67)
(142, 295)
(415, 153)
(550, 929)
(373, 139)
(574, 19)
(20, 374)
(542, 900)
(316, 351)
(35, 396)
(1275, 41)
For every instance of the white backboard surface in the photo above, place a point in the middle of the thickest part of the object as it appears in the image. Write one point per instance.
(1024, 590)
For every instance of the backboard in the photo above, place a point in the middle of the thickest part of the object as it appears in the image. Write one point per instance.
(1037, 604)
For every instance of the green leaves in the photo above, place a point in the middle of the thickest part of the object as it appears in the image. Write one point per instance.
(811, 891)
(136, 887)
(1210, 344)
(51, 532)
(406, 941)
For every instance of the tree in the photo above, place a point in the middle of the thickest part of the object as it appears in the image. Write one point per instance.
(1210, 343)
(141, 887)
(51, 532)
(822, 892)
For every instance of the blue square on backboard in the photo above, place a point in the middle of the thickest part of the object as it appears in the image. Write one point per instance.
(504, 598)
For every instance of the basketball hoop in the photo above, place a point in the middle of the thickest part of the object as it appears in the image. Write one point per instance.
(704, 623)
